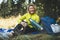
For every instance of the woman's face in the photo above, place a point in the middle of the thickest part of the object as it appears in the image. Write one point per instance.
(31, 9)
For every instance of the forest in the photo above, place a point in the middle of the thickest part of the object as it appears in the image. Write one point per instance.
(44, 7)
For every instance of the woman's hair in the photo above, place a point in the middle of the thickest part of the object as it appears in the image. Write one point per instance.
(31, 5)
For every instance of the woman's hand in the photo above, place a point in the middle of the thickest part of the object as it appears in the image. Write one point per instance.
(24, 24)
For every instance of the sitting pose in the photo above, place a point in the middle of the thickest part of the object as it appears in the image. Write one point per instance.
(24, 22)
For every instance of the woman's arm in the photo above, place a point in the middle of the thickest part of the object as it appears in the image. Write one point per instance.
(21, 18)
(37, 19)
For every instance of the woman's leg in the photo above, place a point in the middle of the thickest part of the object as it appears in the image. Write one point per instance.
(29, 30)
(19, 26)
(17, 29)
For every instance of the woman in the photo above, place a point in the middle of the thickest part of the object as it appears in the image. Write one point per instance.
(24, 22)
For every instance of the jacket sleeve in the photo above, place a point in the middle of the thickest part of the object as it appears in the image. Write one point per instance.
(37, 19)
(21, 18)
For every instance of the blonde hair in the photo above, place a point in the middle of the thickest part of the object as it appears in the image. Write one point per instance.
(31, 5)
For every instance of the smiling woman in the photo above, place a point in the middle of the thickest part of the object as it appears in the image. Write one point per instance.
(25, 20)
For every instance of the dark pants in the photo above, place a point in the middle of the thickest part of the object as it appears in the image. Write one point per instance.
(26, 29)
(17, 29)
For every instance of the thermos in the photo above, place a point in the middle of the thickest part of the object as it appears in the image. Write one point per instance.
(35, 24)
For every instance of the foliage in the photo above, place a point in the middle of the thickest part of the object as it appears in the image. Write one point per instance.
(44, 8)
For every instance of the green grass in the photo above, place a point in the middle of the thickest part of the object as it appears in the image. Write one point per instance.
(36, 37)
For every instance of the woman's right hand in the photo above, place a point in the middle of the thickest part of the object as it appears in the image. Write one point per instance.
(24, 24)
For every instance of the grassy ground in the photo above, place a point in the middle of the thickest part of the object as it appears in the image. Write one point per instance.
(8, 22)
(36, 37)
